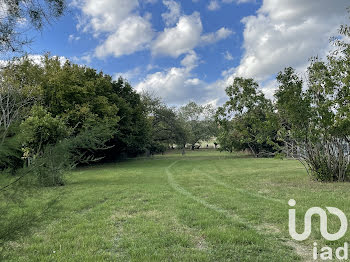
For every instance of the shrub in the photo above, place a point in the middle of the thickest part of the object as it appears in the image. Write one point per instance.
(52, 165)
(10, 154)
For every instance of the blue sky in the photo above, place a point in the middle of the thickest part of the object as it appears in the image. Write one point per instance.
(191, 49)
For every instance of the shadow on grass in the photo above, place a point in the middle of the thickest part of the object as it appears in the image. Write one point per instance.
(18, 215)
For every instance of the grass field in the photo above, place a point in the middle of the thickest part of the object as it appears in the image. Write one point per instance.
(205, 206)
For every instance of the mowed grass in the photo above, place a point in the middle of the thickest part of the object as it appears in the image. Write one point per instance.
(204, 206)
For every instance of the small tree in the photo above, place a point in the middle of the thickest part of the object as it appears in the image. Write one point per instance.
(41, 129)
(56, 160)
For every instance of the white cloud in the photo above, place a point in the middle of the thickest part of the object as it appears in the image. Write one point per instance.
(213, 5)
(223, 33)
(185, 36)
(193, 82)
(34, 58)
(169, 84)
(170, 18)
(106, 15)
(130, 75)
(118, 21)
(228, 56)
(287, 33)
(179, 39)
(122, 31)
(281, 33)
(133, 34)
(176, 85)
(214, 37)
(269, 88)
(39, 59)
(150, 67)
(86, 58)
(72, 38)
(190, 60)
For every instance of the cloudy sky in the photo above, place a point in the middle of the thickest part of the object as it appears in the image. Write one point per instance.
(191, 49)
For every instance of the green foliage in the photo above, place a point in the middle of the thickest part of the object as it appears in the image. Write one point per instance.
(41, 129)
(198, 123)
(82, 98)
(10, 154)
(54, 161)
(157, 147)
(68, 114)
(19, 90)
(133, 132)
(79, 95)
(317, 119)
(165, 126)
(293, 104)
(90, 144)
(228, 138)
(50, 167)
(35, 13)
(247, 120)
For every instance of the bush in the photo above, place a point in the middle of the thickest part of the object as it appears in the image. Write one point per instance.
(52, 165)
(328, 162)
(10, 155)
(157, 148)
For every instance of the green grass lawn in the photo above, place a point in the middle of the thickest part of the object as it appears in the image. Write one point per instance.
(205, 206)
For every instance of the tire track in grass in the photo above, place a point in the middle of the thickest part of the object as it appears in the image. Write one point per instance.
(244, 190)
(301, 250)
(241, 190)
(186, 193)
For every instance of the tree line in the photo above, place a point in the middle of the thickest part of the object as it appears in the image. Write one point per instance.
(54, 115)
(311, 115)
(57, 115)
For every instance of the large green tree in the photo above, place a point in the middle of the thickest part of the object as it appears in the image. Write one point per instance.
(73, 98)
(247, 120)
(83, 98)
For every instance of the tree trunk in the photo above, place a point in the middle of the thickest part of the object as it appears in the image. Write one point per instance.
(253, 151)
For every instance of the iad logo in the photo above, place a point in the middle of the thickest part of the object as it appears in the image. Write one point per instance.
(323, 225)
(326, 253)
